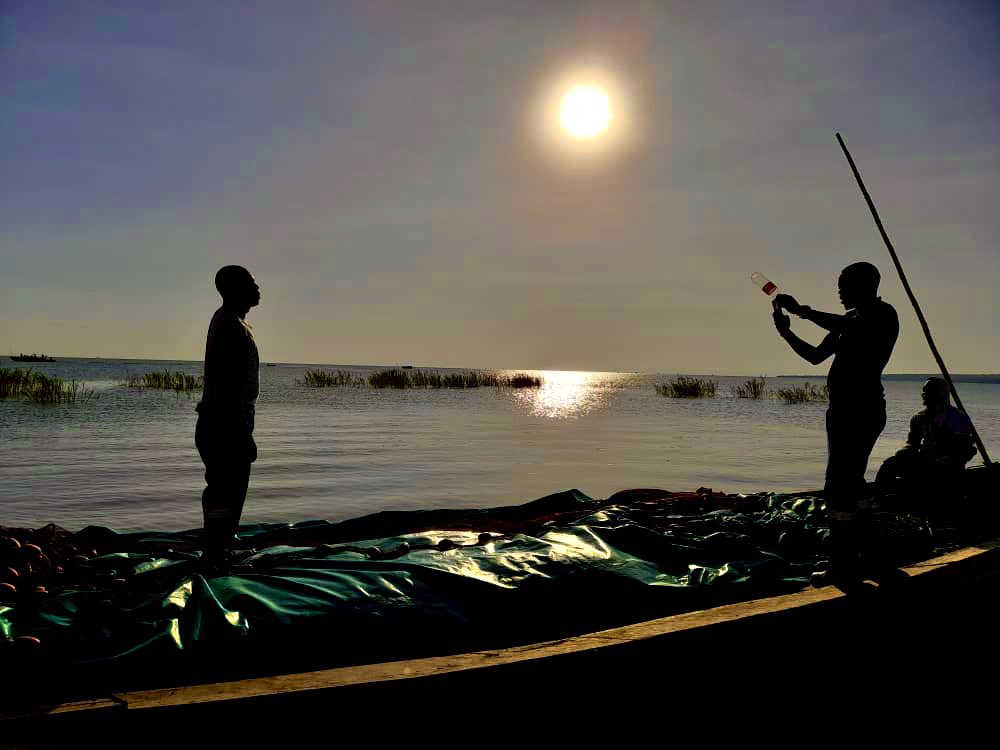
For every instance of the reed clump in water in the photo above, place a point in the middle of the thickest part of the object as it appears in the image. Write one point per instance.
(40, 388)
(754, 388)
(464, 380)
(396, 378)
(524, 380)
(13, 381)
(800, 394)
(166, 380)
(329, 378)
(390, 379)
(684, 386)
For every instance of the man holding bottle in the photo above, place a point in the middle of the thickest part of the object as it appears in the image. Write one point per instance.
(861, 343)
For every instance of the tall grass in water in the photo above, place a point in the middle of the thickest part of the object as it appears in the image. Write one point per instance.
(687, 387)
(170, 381)
(39, 388)
(754, 388)
(524, 380)
(397, 378)
(329, 378)
(14, 381)
(800, 394)
(390, 379)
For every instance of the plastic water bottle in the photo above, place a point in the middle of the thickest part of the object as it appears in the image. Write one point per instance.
(766, 285)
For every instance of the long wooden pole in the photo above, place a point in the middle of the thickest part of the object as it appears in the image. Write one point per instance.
(913, 299)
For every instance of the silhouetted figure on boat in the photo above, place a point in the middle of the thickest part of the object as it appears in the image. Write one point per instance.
(224, 435)
(938, 446)
(861, 342)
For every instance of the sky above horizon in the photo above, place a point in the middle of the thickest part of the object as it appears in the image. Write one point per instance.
(391, 174)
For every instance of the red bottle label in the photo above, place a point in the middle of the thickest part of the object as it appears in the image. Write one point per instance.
(770, 287)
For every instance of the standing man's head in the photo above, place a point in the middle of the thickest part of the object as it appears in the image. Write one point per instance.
(858, 284)
(238, 288)
(934, 394)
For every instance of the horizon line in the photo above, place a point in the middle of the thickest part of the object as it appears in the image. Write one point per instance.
(535, 369)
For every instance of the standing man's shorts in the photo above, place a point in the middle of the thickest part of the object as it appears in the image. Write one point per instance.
(851, 433)
(228, 454)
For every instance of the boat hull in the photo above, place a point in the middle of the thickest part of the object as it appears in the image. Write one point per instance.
(939, 622)
(933, 622)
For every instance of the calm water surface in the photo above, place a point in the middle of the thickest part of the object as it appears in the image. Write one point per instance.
(126, 459)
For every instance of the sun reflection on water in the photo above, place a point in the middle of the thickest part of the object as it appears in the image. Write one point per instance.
(563, 394)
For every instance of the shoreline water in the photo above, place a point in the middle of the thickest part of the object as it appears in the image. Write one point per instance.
(127, 458)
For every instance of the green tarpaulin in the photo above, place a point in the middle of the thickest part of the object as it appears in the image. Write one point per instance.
(144, 611)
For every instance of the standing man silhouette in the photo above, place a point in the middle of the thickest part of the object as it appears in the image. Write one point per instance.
(861, 342)
(224, 434)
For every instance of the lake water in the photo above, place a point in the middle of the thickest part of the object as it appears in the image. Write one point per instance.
(126, 458)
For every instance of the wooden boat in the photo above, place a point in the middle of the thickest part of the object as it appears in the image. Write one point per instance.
(32, 358)
(936, 620)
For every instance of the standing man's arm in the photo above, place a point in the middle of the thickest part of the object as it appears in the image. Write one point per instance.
(812, 354)
(830, 321)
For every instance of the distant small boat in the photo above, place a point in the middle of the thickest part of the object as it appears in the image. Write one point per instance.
(407, 367)
(31, 358)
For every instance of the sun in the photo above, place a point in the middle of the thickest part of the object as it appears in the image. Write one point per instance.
(585, 112)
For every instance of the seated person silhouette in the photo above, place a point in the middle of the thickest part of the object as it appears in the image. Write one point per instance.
(938, 446)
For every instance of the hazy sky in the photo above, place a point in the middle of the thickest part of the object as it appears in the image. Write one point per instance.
(392, 175)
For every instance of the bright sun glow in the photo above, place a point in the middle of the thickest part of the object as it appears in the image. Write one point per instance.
(585, 112)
